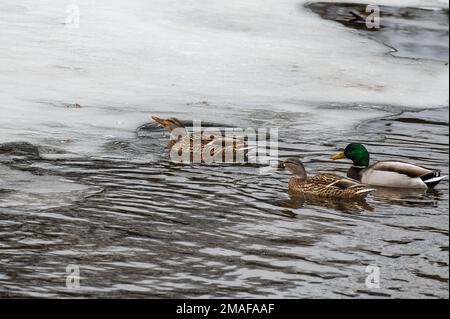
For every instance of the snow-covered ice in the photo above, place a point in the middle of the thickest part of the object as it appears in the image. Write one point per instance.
(129, 59)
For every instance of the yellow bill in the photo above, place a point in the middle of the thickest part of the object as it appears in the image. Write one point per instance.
(338, 156)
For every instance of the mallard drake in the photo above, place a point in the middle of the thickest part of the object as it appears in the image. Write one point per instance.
(202, 146)
(323, 185)
(394, 174)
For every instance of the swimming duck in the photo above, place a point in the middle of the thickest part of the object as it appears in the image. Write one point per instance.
(395, 174)
(215, 145)
(323, 185)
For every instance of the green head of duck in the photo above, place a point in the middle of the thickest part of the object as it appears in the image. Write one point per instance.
(357, 153)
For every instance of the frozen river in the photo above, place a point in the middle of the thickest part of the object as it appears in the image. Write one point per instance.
(94, 187)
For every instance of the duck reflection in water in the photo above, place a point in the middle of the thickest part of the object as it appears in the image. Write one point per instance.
(297, 201)
(408, 197)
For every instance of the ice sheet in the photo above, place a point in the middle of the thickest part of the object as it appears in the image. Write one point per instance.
(130, 59)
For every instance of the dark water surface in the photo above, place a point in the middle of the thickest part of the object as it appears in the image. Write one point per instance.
(140, 228)
(409, 32)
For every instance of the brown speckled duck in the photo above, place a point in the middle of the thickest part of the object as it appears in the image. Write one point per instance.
(200, 144)
(323, 185)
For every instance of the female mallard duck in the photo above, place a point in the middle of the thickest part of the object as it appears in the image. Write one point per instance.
(323, 185)
(387, 173)
(202, 147)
